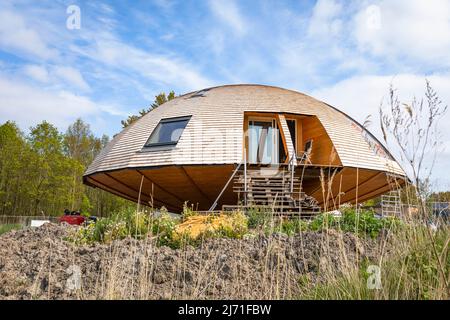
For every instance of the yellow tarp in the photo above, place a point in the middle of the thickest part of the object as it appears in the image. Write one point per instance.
(196, 225)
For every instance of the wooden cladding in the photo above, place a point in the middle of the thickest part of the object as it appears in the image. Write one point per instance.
(308, 128)
(216, 136)
(198, 186)
(323, 151)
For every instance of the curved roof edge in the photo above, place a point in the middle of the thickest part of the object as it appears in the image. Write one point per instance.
(301, 93)
(388, 155)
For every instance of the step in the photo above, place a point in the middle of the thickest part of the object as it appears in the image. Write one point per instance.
(269, 177)
(268, 195)
(280, 176)
(267, 188)
(294, 210)
(270, 191)
(265, 183)
(271, 201)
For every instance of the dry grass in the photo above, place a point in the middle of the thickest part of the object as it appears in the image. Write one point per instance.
(327, 264)
(409, 268)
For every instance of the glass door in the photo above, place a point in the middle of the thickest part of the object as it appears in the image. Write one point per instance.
(263, 141)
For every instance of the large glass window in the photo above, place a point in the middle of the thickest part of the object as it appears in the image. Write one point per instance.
(167, 132)
(263, 141)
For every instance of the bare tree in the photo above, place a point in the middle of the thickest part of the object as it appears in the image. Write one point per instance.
(413, 127)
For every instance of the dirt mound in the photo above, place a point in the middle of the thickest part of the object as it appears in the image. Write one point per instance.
(40, 264)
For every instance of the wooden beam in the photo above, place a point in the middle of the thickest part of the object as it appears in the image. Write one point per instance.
(113, 190)
(160, 187)
(137, 191)
(195, 185)
(376, 175)
(337, 170)
(373, 193)
(122, 183)
(127, 196)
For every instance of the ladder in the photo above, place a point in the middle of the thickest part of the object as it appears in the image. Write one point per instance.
(391, 204)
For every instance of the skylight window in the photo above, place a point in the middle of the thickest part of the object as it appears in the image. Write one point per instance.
(167, 132)
(200, 93)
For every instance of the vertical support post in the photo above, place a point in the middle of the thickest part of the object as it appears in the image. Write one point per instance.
(245, 176)
(292, 174)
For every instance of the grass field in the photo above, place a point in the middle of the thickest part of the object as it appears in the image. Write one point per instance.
(8, 227)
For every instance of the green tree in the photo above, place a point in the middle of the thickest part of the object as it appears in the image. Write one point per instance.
(14, 161)
(80, 142)
(51, 184)
(42, 172)
(159, 100)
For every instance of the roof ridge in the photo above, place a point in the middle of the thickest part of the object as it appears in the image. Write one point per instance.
(245, 85)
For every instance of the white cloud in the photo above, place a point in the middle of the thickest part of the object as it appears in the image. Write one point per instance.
(56, 75)
(17, 36)
(405, 28)
(168, 70)
(325, 19)
(72, 76)
(361, 96)
(36, 72)
(28, 105)
(164, 4)
(228, 12)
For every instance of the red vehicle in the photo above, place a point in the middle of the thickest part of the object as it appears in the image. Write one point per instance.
(73, 218)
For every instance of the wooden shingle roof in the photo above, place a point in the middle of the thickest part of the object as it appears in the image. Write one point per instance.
(214, 135)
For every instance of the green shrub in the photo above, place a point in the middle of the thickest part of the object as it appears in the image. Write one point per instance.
(235, 226)
(83, 235)
(258, 217)
(118, 226)
(188, 211)
(323, 221)
(293, 226)
(164, 228)
(362, 222)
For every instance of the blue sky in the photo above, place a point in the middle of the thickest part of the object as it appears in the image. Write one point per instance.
(343, 52)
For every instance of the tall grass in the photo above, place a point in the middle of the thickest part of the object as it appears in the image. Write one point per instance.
(401, 249)
(141, 256)
(409, 270)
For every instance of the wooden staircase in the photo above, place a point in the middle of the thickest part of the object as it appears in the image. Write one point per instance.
(272, 188)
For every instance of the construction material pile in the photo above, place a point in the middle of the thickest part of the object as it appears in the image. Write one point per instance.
(40, 264)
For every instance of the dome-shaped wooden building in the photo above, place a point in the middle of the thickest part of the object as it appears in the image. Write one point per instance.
(189, 148)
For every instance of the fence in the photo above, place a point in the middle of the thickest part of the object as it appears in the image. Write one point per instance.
(24, 220)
